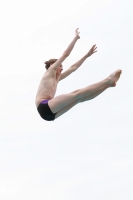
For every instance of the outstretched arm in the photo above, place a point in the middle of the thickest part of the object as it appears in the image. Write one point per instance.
(76, 65)
(66, 52)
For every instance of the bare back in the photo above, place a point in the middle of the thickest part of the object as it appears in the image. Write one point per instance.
(47, 87)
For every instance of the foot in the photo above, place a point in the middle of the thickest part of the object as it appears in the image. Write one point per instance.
(114, 77)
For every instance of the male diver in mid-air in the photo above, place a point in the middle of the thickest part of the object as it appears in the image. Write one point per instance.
(50, 107)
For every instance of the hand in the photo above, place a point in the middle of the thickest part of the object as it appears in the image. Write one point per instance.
(92, 50)
(77, 33)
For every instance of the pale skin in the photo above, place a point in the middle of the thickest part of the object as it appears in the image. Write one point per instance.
(62, 103)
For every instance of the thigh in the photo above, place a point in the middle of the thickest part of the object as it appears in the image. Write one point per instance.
(65, 109)
(62, 101)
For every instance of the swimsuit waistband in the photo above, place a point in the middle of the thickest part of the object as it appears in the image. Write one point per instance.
(45, 101)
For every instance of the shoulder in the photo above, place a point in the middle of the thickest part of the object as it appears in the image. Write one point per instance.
(49, 74)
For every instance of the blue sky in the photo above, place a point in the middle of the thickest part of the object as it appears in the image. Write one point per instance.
(88, 152)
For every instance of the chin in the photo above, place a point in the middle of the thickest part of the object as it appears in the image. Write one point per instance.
(59, 74)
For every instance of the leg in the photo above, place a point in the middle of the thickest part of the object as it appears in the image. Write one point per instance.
(95, 94)
(92, 96)
(65, 109)
(62, 101)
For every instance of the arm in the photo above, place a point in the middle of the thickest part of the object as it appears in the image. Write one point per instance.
(66, 73)
(75, 66)
(79, 63)
(66, 52)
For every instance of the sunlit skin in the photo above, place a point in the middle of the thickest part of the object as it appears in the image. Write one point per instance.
(62, 103)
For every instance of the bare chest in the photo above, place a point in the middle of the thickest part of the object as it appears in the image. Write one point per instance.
(47, 88)
(51, 87)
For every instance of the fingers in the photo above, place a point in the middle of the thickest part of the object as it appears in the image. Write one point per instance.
(77, 33)
(77, 30)
(94, 48)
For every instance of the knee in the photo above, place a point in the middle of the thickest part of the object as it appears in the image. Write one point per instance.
(77, 93)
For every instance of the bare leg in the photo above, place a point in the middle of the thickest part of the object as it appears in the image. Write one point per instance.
(95, 88)
(65, 109)
(92, 96)
(60, 102)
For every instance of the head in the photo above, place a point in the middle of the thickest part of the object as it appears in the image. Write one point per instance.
(50, 62)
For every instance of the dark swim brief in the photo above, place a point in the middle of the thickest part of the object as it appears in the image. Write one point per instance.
(45, 111)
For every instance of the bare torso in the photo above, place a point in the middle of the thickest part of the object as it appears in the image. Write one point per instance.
(47, 87)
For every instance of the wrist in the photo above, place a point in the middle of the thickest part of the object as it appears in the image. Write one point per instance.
(87, 55)
(76, 37)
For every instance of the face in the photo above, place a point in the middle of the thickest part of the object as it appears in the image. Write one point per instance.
(59, 70)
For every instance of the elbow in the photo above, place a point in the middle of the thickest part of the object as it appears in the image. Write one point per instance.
(73, 68)
(66, 54)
